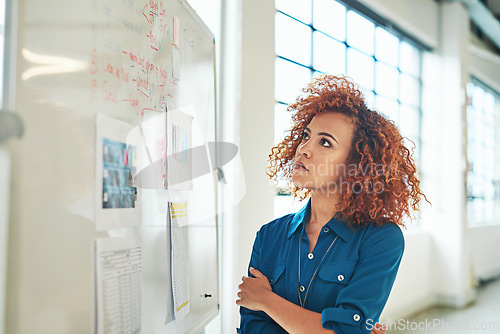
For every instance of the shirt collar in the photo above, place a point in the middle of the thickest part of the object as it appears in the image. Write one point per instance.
(340, 227)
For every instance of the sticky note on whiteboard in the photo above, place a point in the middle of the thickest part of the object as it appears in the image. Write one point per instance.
(177, 35)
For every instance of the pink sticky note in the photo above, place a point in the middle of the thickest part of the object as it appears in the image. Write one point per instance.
(177, 36)
(125, 158)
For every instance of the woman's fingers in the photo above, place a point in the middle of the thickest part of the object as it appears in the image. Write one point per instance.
(256, 272)
(379, 329)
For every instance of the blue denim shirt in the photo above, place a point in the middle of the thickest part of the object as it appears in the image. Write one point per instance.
(352, 283)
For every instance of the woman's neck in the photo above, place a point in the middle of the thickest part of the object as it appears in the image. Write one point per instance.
(322, 208)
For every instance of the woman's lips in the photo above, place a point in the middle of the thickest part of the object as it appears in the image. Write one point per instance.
(300, 167)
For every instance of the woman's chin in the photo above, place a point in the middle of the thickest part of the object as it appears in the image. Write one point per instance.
(301, 185)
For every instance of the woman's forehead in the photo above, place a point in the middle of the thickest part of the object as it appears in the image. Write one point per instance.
(333, 121)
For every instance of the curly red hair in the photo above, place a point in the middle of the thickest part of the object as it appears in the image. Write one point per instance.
(391, 190)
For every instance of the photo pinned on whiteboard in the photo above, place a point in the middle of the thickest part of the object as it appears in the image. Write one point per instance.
(119, 166)
(117, 196)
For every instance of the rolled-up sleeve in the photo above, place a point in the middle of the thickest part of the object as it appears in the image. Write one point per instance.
(253, 322)
(360, 303)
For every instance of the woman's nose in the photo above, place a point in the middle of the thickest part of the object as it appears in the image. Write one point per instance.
(304, 150)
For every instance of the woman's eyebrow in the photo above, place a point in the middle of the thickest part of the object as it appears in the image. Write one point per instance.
(324, 134)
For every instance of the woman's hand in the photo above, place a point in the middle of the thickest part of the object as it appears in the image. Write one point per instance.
(253, 291)
(378, 329)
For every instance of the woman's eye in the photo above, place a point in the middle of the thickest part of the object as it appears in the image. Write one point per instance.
(323, 141)
(304, 135)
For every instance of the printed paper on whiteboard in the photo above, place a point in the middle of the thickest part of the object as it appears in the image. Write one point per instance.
(118, 271)
(179, 145)
(179, 258)
(151, 150)
(116, 195)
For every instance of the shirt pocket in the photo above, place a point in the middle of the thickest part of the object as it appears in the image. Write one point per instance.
(337, 272)
(275, 276)
(333, 277)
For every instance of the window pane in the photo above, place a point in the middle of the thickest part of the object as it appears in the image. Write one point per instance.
(329, 55)
(412, 143)
(282, 122)
(387, 107)
(329, 17)
(316, 74)
(386, 80)
(477, 98)
(409, 60)
(360, 32)
(410, 90)
(409, 121)
(290, 78)
(489, 107)
(360, 68)
(289, 34)
(300, 9)
(386, 46)
(369, 98)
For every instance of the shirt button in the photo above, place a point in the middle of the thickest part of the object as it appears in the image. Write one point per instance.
(302, 288)
(356, 317)
(340, 277)
(326, 229)
(310, 256)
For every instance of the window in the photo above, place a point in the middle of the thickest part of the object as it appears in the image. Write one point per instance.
(483, 156)
(343, 37)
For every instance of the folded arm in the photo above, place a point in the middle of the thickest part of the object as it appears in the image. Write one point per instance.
(359, 302)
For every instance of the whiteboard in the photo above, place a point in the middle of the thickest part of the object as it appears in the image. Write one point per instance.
(131, 61)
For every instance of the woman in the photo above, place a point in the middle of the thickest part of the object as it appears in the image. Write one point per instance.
(330, 267)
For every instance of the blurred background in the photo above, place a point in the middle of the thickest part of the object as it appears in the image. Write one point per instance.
(433, 67)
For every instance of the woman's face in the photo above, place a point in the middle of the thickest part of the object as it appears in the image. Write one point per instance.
(325, 145)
